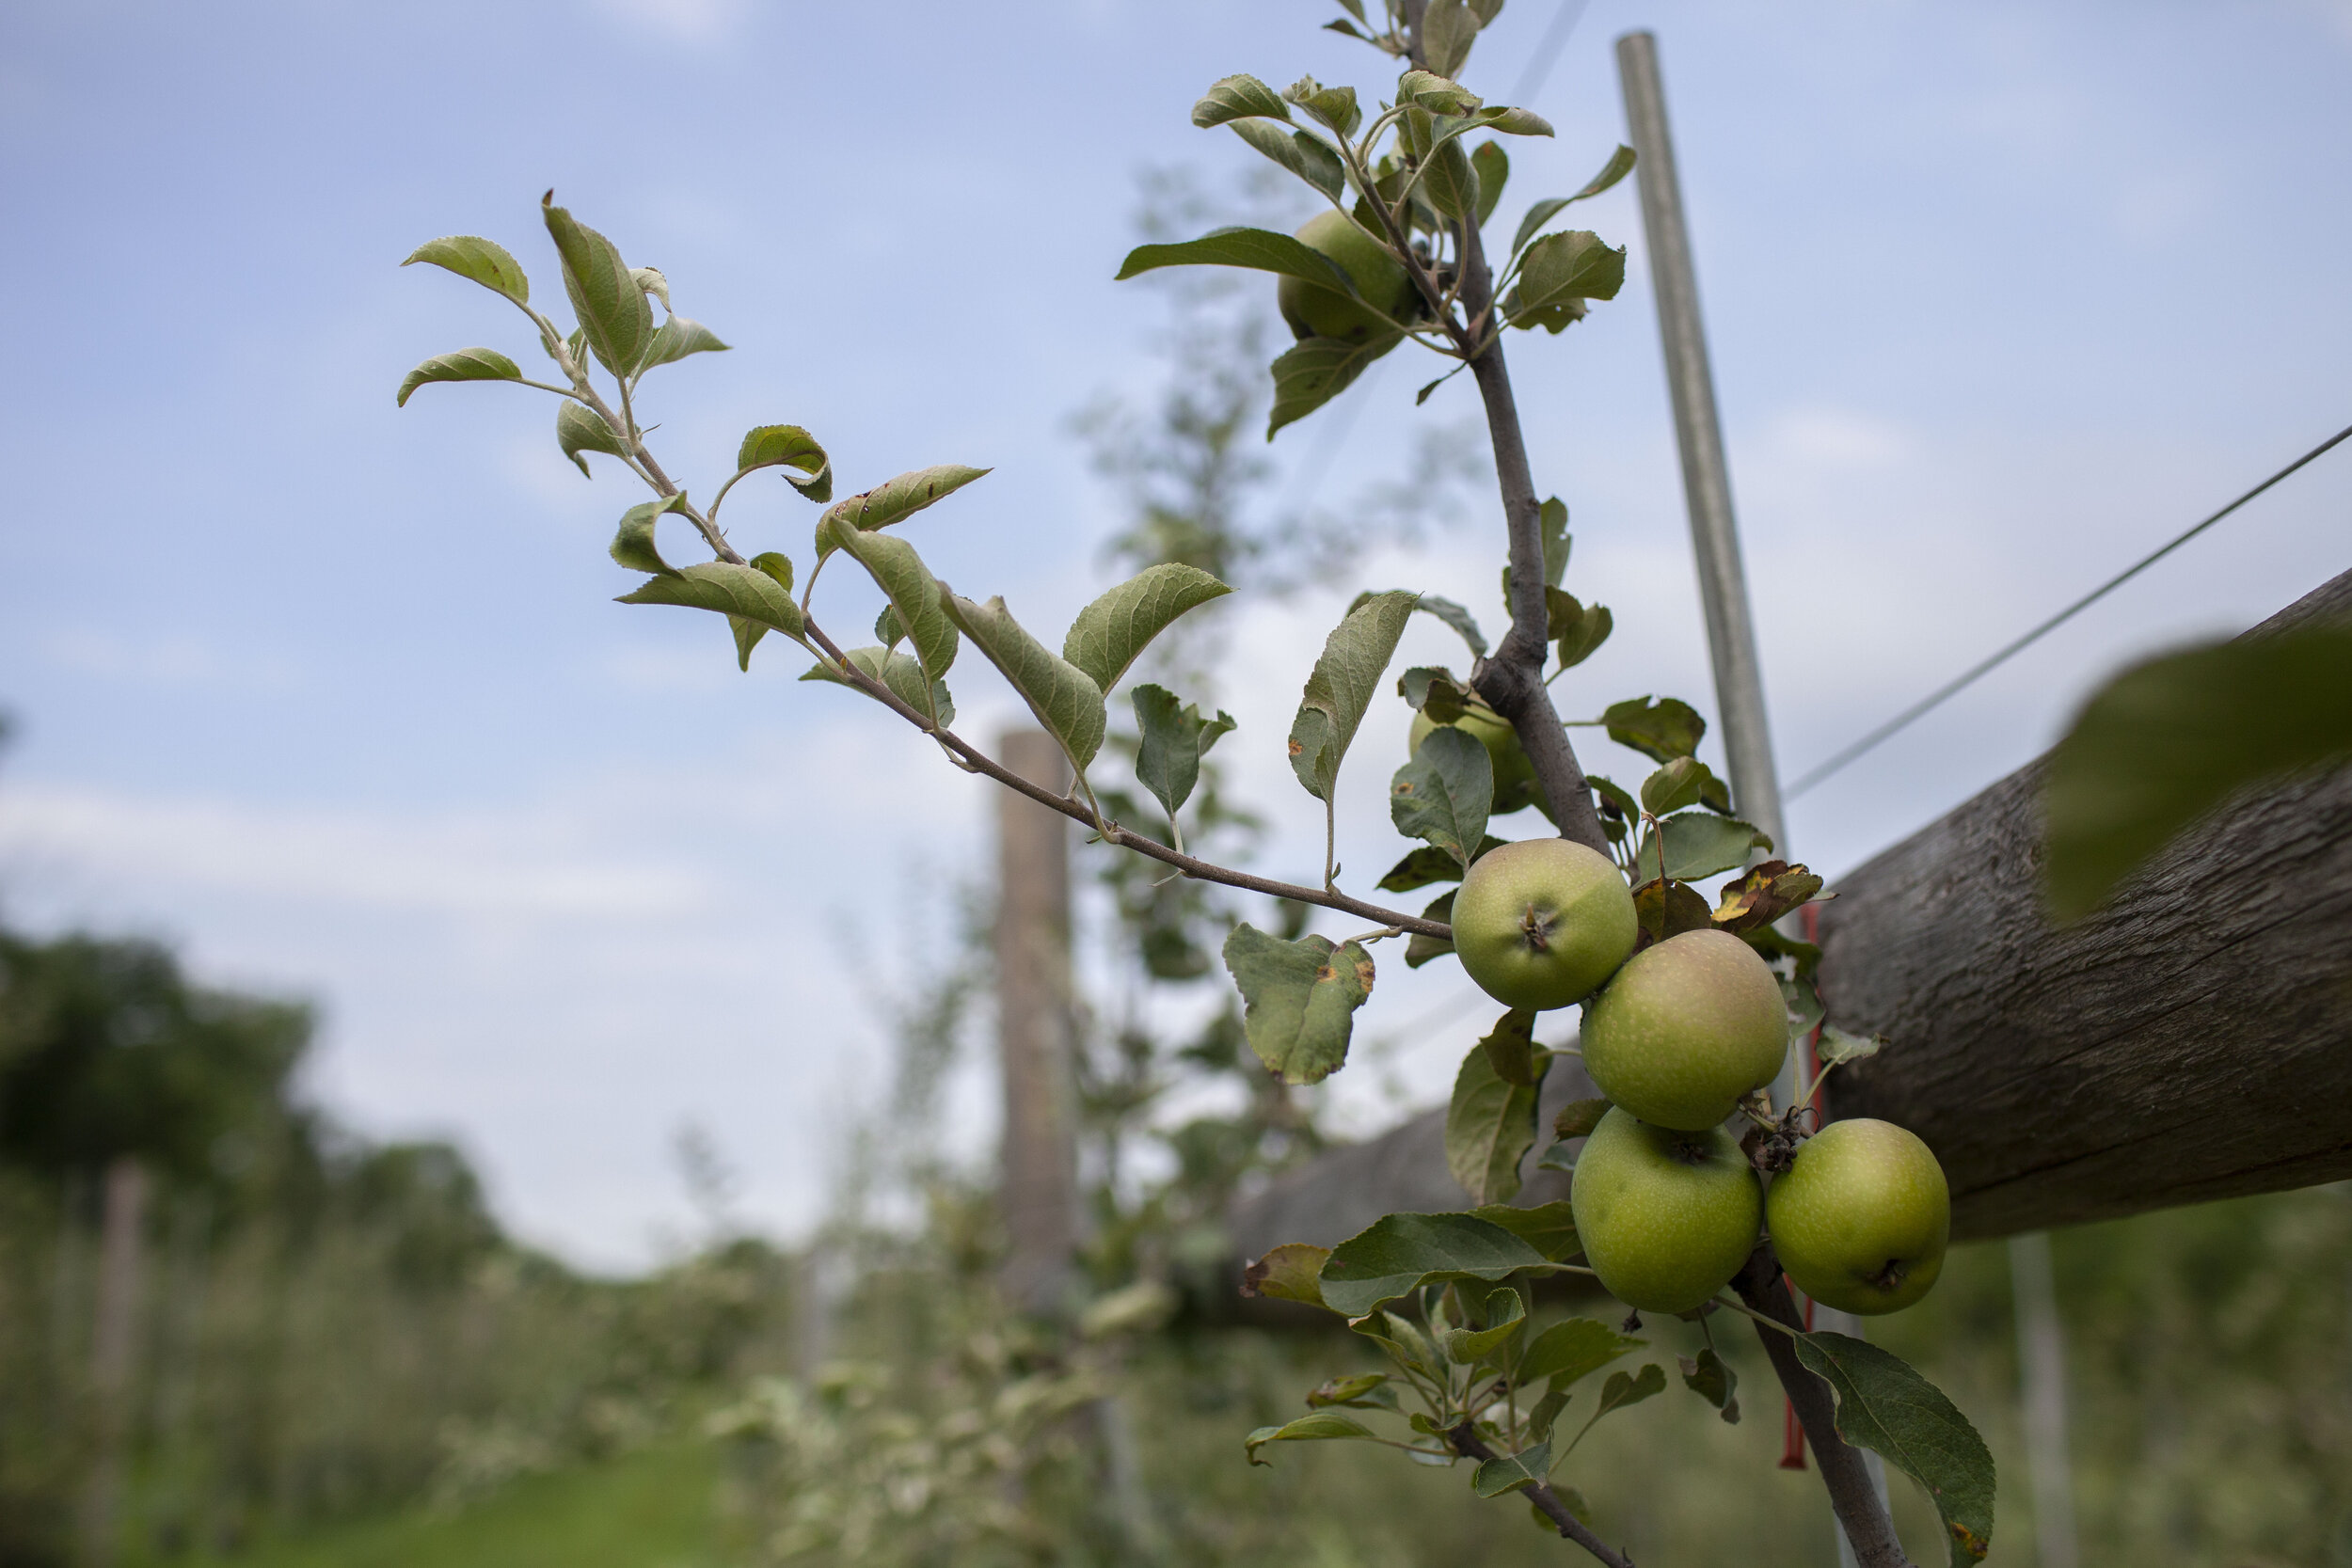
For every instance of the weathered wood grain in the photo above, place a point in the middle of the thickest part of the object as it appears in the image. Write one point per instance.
(2191, 1041)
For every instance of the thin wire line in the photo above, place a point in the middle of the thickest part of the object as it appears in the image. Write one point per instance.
(1937, 697)
(1546, 53)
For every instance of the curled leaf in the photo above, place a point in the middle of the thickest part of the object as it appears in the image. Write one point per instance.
(465, 364)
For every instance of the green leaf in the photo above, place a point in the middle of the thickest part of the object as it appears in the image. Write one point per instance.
(1448, 179)
(899, 671)
(1312, 371)
(676, 338)
(1398, 1254)
(1712, 1380)
(1302, 152)
(1511, 1050)
(914, 593)
(465, 364)
(1700, 845)
(1613, 795)
(1561, 268)
(1429, 865)
(1578, 1117)
(633, 543)
(1363, 1391)
(1434, 693)
(1448, 29)
(788, 446)
(1579, 629)
(1506, 1317)
(1509, 1472)
(484, 262)
(1493, 168)
(580, 428)
(1110, 633)
(1511, 121)
(1551, 521)
(1315, 1426)
(1444, 792)
(729, 590)
(1549, 1228)
(893, 500)
(612, 308)
(1620, 163)
(1836, 1047)
(1683, 781)
(1422, 949)
(1489, 1127)
(1241, 97)
(1435, 93)
(1173, 741)
(1660, 730)
(1885, 1406)
(1628, 1389)
(1539, 1421)
(652, 280)
(1298, 1000)
(748, 633)
(1401, 1339)
(1288, 1273)
(1260, 249)
(1064, 698)
(2165, 742)
(1341, 689)
(1334, 107)
(1572, 1350)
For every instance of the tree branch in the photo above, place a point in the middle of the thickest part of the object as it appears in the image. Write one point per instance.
(976, 761)
(1467, 1443)
(1859, 1512)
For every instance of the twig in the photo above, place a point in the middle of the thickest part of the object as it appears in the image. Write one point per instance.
(1856, 1502)
(1467, 1443)
(978, 761)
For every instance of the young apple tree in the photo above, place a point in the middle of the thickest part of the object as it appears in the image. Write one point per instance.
(1690, 1007)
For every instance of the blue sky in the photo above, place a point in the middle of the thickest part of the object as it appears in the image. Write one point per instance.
(334, 694)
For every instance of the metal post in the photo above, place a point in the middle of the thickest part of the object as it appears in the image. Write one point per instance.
(2041, 1377)
(1698, 432)
(1034, 1031)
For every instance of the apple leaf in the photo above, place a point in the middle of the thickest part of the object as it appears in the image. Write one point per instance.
(1287, 1273)
(1711, 1379)
(580, 428)
(1448, 29)
(1259, 249)
(1444, 792)
(1173, 739)
(1662, 910)
(481, 260)
(1560, 268)
(893, 500)
(2168, 740)
(1456, 616)
(1448, 179)
(1579, 641)
(1764, 895)
(1700, 845)
(1314, 1426)
(1489, 1127)
(1303, 153)
(1620, 163)
(611, 306)
(1437, 692)
(1434, 92)
(1549, 1228)
(1572, 1350)
(1684, 781)
(1363, 1391)
(1493, 168)
(745, 592)
(1238, 97)
(1334, 107)
(1064, 697)
(788, 446)
(1508, 1472)
(1110, 633)
(1341, 689)
(1397, 1253)
(1885, 1406)
(1661, 728)
(1505, 1318)
(1631, 1388)
(914, 596)
(465, 364)
(1421, 949)
(633, 543)
(1836, 1047)
(1429, 865)
(748, 632)
(1511, 1050)
(1552, 522)
(1312, 371)
(676, 338)
(1298, 1000)
(899, 671)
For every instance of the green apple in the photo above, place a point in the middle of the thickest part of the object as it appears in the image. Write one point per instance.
(1315, 311)
(1686, 1029)
(1862, 1218)
(1515, 776)
(1540, 923)
(1665, 1218)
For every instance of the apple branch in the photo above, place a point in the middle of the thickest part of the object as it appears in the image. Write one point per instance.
(1856, 1502)
(1468, 1444)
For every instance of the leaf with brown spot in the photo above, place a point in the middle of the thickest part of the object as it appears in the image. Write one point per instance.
(1764, 895)
(1299, 999)
(1287, 1273)
(1665, 910)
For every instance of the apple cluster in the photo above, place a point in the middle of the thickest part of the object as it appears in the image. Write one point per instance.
(1667, 1203)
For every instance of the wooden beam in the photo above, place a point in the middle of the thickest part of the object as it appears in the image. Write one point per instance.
(2191, 1041)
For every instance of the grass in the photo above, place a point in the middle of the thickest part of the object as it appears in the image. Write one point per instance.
(654, 1509)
